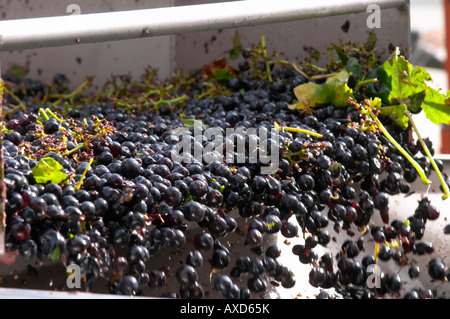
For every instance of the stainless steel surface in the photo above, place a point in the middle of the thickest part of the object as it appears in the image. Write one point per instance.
(17, 293)
(192, 40)
(91, 28)
(187, 51)
(193, 50)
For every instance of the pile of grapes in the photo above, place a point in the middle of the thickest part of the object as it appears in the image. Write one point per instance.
(93, 179)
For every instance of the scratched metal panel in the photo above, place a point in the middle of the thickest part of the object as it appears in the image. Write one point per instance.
(99, 59)
(193, 50)
(185, 51)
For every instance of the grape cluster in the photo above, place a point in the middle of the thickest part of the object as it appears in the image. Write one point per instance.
(135, 200)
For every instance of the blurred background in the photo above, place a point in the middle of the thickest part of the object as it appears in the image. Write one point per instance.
(429, 49)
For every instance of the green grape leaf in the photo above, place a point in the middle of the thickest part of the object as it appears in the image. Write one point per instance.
(371, 40)
(402, 83)
(5, 130)
(407, 83)
(2, 88)
(397, 113)
(237, 46)
(437, 106)
(353, 67)
(188, 123)
(310, 95)
(222, 74)
(381, 89)
(341, 54)
(339, 90)
(56, 253)
(17, 71)
(334, 91)
(48, 170)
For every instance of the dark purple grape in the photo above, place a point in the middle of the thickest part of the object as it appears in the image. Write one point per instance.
(173, 196)
(316, 276)
(426, 210)
(214, 197)
(254, 237)
(378, 234)
(186, 274)
(195, 259)
(128, 285)
(194, 211)
(220, 258)
(289, 229)
(243, 264)
(421, 248)
(414, 272)
(306, 182)
(346, 265)
(198, 188)
(51, 126)
(273, 252)
(119, 237)
(394, 283)
(437, 269)
(192, 291)
(256, 284)
(203, 241)
(51, 245)
(131, 168)
(157, 278)
(28, 248)
(350, 248)
(224, 284)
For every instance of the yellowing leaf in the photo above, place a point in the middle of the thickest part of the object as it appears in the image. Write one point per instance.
(407, 83)
(237, 46)
(334, 91)
(189, 123)
(48, 170)
(17, 71)
(310, 95)
(436, 107)
(397, 113)
(56, 253)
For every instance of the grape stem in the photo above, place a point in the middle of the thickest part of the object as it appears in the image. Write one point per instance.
(266, 58)
(176, 100)
(299, 70)
(2, 175)
(375, 254)
(78, 186)
(47, 110)
(43, 113)
(427, 152)
(85, 144)
(361, 83)
(296, 129)
(416, 165)
(15, 97)
(322, 76)
(71, 96)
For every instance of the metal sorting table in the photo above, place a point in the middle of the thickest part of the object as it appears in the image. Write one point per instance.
(186, 24)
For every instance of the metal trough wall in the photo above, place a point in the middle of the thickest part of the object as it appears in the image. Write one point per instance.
(186, 35)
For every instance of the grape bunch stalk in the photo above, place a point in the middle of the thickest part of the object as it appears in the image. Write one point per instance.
(94, 178)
